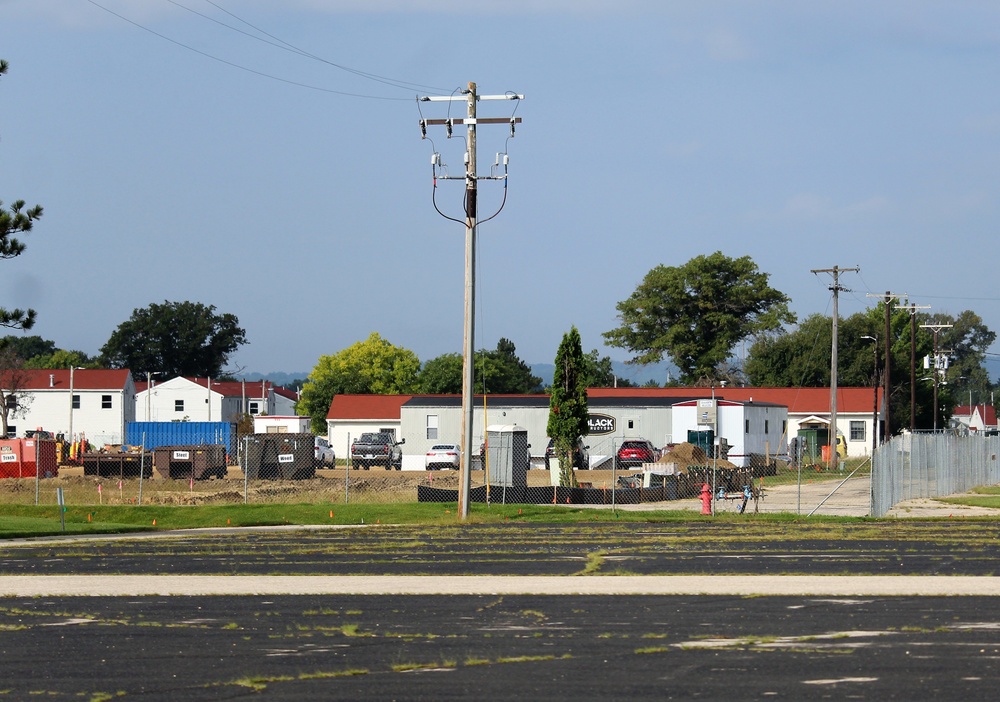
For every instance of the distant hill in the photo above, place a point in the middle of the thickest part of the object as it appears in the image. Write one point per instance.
(276, 377)
(637, 375)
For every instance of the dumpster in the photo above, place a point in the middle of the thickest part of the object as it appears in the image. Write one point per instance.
(199, 462)
(118, 465)
(280, 456)
(28, 458)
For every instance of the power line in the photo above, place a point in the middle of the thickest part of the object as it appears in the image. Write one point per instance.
(241, 67)
(286, 46)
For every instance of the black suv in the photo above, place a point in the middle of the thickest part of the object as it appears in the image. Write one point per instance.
(581, 459)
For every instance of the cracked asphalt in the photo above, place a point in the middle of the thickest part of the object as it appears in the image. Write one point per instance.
(870, 610)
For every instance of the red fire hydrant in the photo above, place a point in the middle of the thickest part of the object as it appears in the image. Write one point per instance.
(706, 499)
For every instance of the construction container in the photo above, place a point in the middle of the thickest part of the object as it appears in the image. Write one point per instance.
(280, 456)
(198, 462)
(28, 458)
(181, 434)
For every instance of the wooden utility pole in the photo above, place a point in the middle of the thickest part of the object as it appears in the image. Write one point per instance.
(471, 178)
(886, 389)
(913, 360)
(836, 288)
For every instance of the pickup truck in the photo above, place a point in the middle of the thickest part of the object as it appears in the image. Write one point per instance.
(376, 448)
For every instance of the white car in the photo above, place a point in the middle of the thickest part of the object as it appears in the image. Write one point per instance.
(443, 456)
(323, 455)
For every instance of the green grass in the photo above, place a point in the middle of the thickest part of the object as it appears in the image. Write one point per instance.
(29, 520)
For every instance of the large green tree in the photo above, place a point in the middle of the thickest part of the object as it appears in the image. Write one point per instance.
(697, 313)
(801, 358)
(15, 220)
(373, 366)
(175, 338)
(568, 410)
(27, 347)
(442, 375)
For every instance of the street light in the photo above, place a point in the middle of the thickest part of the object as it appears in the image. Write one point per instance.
(874, 341)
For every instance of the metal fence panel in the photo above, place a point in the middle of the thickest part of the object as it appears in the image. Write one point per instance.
(916, 466)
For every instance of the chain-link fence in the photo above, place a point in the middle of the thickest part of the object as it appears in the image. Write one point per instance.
(931, 465)
(283, 468)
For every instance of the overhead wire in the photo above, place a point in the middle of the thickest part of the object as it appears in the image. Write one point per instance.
(287, 46)
(241, 67)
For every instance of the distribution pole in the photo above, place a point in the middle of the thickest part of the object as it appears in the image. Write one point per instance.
(886, 389)
(913, 360)
(836, 288)
(471, 221)
(935, 328)
(468, 355)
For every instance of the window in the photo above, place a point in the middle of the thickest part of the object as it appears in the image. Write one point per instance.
(766, 428)
(105, 401)
(178, 405)
(432, 427)
(11, 402)
(76, 402)
(857, 430)
(254, 408)
(746, 427)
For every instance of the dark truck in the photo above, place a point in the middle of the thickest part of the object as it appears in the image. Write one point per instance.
(377, 448)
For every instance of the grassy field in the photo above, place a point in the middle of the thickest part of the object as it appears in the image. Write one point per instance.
(109, 506)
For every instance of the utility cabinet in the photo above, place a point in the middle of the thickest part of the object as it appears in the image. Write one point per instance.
(507, 455)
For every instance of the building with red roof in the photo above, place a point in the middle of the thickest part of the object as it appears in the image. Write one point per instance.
(95, 403)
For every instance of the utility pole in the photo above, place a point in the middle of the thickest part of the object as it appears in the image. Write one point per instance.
(913, 360)
(935, 328)
(471, 221)
(836, 288)
(886, 394)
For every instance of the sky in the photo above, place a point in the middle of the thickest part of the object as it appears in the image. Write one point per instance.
(266, 158)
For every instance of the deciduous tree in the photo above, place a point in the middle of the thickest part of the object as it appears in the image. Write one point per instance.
(175, 338)
(697, 313)
(14, 402)
(373, 366)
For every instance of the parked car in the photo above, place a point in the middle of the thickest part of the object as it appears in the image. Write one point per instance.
(634, 452)
(581, 459)
(323, 454)
(443, 456)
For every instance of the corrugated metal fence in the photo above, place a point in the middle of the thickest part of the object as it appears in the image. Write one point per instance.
(931, 465)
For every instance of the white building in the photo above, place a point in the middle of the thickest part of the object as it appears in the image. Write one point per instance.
(204, 400)
(92, 403)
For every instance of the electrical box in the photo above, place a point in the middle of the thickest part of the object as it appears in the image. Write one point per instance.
(507, 455)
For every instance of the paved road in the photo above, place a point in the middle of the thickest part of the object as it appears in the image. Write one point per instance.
(726, 610)
(552, 647)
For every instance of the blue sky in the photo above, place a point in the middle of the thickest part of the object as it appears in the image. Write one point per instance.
(804, 134)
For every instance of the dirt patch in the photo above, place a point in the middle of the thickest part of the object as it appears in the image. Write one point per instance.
(686, 455)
